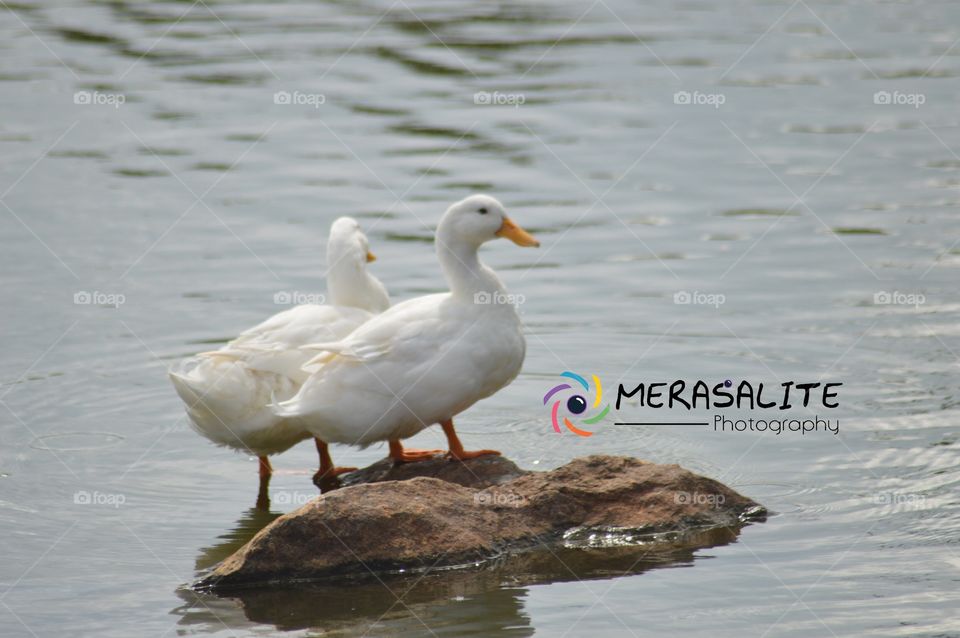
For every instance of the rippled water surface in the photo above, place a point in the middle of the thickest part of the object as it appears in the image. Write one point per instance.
(167, 168)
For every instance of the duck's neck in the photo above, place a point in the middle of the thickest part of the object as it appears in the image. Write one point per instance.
(349, 284)
(465, 273)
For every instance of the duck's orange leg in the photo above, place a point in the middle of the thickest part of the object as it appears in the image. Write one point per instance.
(327, 468)
(265, 469)
(456, 447)
(410, 455)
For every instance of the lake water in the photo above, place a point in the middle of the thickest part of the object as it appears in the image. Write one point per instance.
(167, 168)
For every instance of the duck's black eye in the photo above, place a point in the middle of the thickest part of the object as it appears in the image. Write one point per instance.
(482, 211)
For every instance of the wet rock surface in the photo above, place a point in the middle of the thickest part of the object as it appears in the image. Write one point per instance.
(440, 513)
(480, 472)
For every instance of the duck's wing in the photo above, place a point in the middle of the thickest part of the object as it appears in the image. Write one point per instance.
(300, 325)
(273, 346)
(386, 332)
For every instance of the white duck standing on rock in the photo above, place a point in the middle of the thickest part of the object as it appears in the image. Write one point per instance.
(228, 391)
(425, 360)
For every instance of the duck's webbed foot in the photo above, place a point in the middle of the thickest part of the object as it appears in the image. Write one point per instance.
(399, 454)
(457, 452)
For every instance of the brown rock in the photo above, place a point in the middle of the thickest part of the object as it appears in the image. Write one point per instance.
(480, 472)
(484, 508)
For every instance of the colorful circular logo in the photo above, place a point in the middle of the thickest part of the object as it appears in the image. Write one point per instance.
(575, 404)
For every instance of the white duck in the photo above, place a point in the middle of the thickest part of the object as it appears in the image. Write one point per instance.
(227, 391)
(425, 360)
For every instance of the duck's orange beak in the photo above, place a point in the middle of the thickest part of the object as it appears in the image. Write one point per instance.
(516, 234)
(371, 257)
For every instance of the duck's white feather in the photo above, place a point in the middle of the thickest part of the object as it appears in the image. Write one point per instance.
(274, 345)
(225, 401)
(443, 358)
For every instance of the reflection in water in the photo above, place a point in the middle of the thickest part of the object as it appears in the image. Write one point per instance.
(252, 521)
(448, 604)
(485, 600)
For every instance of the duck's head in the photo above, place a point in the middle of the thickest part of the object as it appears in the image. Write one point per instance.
(479, 219)
(348, 282)
(347, 241)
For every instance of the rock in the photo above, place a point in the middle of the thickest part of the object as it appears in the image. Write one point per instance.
(481, 509)
(480, 472)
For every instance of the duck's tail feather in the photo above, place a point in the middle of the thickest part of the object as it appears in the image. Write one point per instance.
(199, 391)
(218, 392)
(288, 409)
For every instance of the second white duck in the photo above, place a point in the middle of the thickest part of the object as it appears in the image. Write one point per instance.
(227, 391)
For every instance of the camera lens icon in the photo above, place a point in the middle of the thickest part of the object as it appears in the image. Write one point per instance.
(576, 404)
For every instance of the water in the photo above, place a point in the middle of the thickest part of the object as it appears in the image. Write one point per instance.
(198, 198)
